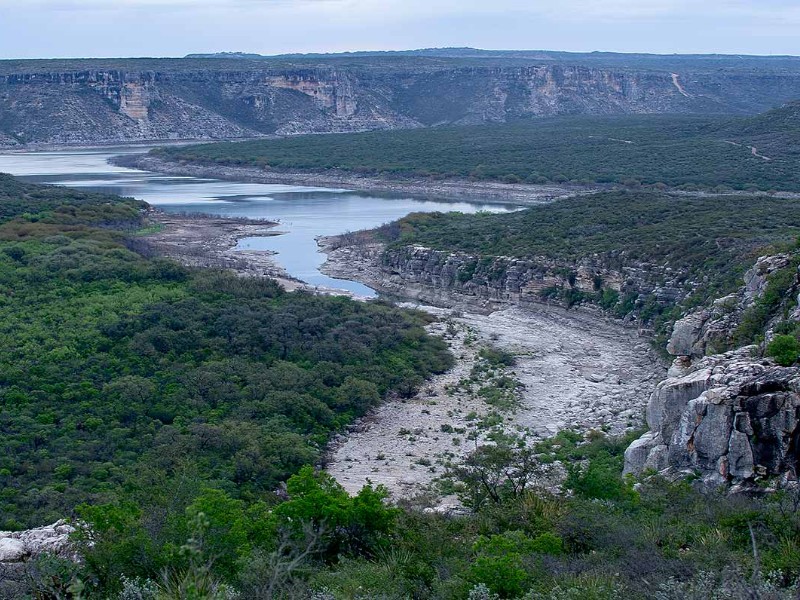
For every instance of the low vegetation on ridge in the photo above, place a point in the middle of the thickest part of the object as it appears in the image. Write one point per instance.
(177, 414)
(701, 246)
(682, 151)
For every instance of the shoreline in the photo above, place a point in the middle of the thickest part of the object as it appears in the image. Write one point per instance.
(209, 241)
(104, 145)
(518, 194)
(358, 258)
(490, 192)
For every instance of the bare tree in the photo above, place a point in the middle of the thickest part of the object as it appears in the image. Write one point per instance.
(273, 575)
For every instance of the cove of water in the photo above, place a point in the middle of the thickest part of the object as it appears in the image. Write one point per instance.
(303, 212)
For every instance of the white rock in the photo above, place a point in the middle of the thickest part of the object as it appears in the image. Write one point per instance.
(11, 550)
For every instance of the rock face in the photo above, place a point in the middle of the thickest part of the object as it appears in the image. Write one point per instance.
(429, 273)
(731, 416)
(87, 101)
(707, 330)
(18, 548)
(728, 417)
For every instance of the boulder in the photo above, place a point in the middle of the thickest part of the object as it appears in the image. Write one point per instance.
(685, 334)
(12, 550)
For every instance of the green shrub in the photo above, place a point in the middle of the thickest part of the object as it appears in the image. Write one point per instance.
(785, 349)
(498, 563)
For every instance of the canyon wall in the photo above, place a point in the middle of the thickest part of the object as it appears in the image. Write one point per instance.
(81, 102)
(731, 417)
(447, 278)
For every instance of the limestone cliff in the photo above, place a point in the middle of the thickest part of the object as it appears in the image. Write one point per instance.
(446, 277)
(85, 101)
(729, 417)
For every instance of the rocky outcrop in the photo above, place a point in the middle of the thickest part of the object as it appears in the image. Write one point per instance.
(19, 546)
(728, 417)
(84, 101)
(442, 278)
(708, 330)
(18, 550)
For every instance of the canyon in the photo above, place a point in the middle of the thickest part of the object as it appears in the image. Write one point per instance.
(723, 414)
(78, 102)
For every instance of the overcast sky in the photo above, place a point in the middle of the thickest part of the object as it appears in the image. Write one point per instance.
(95, 28)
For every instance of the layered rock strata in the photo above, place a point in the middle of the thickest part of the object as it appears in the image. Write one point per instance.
(731, 417)
(103, 101)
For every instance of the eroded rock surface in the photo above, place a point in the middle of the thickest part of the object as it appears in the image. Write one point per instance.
(708, 330)
(452, 278)
(727, 417)
(105, 100)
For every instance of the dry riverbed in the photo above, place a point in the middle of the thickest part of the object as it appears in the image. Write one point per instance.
(574, 370)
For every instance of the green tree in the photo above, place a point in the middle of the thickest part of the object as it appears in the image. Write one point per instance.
(785, 349)
(348, 525)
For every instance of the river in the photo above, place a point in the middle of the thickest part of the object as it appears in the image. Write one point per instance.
(303, 212)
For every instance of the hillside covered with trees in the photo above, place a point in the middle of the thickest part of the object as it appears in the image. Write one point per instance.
(177, 415)
(118, 368)
(687, 152)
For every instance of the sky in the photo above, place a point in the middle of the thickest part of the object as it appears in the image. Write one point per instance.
(121, 28)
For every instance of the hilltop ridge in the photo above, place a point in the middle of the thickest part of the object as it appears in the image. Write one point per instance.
(90, 101)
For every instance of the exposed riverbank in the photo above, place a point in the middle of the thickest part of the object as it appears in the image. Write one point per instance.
(574, 371)
(519, 194)
(448, 189)
(573, 368)
(208, 241)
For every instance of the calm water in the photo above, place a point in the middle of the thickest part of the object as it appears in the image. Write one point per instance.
(304, 212)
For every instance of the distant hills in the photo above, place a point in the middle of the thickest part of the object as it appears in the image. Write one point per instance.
(597, 57)
(241, 95)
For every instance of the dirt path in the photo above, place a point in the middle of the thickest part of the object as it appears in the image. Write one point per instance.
(677, 83)
(753, 149)
(576, 370)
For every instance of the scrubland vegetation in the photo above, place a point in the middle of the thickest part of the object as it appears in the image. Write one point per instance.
(178, 415)
(163, 408)
(679, 151)
(602, 539)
